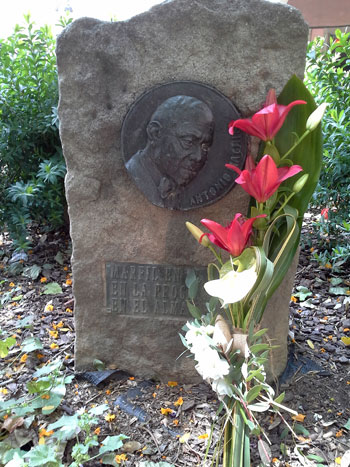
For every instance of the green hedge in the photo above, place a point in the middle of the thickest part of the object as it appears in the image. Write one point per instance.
(31, 162)
(328, 79)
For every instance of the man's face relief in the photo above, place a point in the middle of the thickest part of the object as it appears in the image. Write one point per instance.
(184, 147)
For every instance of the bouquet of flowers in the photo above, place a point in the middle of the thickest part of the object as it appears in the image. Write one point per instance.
(229, 347)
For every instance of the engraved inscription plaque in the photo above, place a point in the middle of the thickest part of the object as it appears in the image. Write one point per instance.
(150, 289)
(175, 144)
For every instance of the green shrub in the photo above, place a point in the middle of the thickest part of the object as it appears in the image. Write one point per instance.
(31, 162)
(328, 79)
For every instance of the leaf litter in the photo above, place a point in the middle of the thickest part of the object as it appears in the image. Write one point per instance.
(317, 386)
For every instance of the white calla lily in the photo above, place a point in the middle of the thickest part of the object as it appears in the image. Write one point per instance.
(233, 286)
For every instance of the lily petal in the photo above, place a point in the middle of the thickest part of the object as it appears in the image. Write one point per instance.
(262, 181)
(266, 123)
(233, 287)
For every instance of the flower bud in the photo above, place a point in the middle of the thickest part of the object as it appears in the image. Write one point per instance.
(299, 184)
(316, 116)
(272, 151)
(198, 234)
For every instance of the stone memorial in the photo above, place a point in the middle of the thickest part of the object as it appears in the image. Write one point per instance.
(144, 110)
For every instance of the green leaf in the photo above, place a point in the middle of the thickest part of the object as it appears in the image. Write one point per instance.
(37, 386)
(259, 407)
(336, 280)
(112, 443)
(279, 399)
(300, 429)
(30, 344)
(258, 348)
(255, 374)
(5, 346)
(14, 455)
(193, 289)
(68, 423)
(315, 458)
(308, 153)
(109, 459)
(52, 289)
(282, 246)
(264, 452)
(302, 293)
(32, 271)
(338, 290)
(258, 334)
(246, 260)
(190, 278)
(25, 322)
(212, 304)
(59, 258)
(17, 298)
(47, 369)
(347, 425)
(98, 410)
(255, 301)
(213, 272)
(41, 455)
(195, 312)
(98, 365)
(253, 393)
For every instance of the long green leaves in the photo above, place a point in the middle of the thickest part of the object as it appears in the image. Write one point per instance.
(308, 153)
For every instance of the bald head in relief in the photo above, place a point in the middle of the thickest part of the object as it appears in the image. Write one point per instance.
(179, 135)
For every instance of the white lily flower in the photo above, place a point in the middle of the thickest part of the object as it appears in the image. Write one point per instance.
(233, 286)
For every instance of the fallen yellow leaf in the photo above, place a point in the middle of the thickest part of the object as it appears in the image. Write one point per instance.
(184, 438)
(310, 344)
(337, 460)
(346, 340)
(109, 417)
(166, 411)
(172, 384)
(179, 402)
(299, 418)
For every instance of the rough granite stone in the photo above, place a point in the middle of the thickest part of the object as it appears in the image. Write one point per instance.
(240, 47)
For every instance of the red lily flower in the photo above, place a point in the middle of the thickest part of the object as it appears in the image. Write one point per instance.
(233, 238)
(268, 121)
(324, 213)
(262, 181)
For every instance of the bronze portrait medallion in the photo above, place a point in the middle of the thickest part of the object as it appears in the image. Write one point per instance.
(175, 144)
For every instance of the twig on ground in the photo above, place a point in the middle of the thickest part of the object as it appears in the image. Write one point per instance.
(153, 437)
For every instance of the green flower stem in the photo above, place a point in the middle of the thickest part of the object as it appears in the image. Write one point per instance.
(277, 213)
(261, 233)
(295, 145)
(217, 255)
(236, 314)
